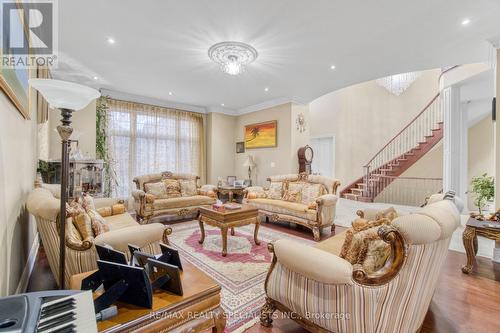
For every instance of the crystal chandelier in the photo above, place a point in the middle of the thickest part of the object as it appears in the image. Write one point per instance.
(232, 57)
(397, 84)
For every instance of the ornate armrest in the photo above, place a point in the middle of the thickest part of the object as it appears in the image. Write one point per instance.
(312, 263)
(138, 195)
(74, 242)
(327, 200)
(140, 235)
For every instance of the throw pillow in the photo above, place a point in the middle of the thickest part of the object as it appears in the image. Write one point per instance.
(312, 205)
(291, 196)
(88, 202)
(98, 223)
(275, 190)
(105, 211)
(364, 245)
(118, 209)
(157, 189)
(172, 188)
(310, 192)
(188, 187)
(374, 254)
(83, 224)
(74, 208)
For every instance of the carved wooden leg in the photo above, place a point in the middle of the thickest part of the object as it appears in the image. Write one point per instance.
(317, 234)
(219, 320)
(266, 313)
(232, 231)
(256, 232)
(202, 231)
(468, 239)
(223, 232)
(333, 229)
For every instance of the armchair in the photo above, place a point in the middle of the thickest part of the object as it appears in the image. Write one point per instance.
(326, 293)
(81, 254)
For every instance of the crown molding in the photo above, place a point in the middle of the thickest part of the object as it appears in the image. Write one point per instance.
(269, 104)
(151, 101)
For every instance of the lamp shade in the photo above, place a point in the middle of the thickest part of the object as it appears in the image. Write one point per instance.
(249, 162)
(64, 95)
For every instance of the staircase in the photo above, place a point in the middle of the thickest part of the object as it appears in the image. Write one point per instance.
(400, 153)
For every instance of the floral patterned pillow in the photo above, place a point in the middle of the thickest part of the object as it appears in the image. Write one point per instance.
(275, 191)
(172, 188)
(188, 187)
(157, 189)
(310, 192)
(291, 196)
(364, 246)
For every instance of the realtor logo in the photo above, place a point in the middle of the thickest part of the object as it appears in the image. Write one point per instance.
(29, 33)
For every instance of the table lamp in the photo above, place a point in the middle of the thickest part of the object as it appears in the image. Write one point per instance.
(67, 97)
(250, 164)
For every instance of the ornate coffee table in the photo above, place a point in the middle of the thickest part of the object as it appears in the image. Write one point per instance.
(475, 228)
(228, 219)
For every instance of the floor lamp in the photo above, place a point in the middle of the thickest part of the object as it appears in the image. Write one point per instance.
(67, 97)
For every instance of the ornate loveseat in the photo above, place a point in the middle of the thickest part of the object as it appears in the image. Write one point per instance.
(81, 254)
(308, 200)
(152, 197)
(326, 293)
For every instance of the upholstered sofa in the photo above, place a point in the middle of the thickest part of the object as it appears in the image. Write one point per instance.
(154, 198)
(81, 254)
(326, 293)
(308, 200)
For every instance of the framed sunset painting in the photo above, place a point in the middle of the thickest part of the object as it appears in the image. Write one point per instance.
(261, 135)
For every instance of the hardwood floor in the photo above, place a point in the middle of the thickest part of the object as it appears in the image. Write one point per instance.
(461, 303)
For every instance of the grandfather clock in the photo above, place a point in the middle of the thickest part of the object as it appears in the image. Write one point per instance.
(305, 155)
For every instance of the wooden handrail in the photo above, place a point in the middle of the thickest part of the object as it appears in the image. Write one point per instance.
(404, 128)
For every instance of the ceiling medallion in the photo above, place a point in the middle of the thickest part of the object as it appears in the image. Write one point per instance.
(232, 56)
(397, 84)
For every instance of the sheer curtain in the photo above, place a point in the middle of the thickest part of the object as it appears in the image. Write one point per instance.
(149, 139)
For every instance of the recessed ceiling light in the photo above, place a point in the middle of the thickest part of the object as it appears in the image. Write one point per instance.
(95, 78)
(221, 104)
(266, 89)
(332, 67)
(111, 40)
(170, 93)
(465, 21)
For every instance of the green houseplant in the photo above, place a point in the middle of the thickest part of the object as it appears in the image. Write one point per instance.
(483, 189)
(102, 151)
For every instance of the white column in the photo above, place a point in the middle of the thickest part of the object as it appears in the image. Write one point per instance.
(454, 142)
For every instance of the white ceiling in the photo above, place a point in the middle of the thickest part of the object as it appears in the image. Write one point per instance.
(161, 45)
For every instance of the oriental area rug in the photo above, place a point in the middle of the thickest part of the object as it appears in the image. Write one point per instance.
(241, 273)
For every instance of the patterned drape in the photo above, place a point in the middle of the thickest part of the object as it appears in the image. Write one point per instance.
(148, 139)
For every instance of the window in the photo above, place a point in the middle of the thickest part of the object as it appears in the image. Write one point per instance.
(148, 139)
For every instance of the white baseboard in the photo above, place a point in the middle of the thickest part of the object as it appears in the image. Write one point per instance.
(28, 268)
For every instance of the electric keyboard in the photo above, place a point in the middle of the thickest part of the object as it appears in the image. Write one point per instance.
(57, 311)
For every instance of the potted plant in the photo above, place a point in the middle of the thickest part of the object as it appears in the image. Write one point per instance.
(483, 189)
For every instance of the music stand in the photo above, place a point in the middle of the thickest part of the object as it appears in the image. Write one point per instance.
(165, 276)
(124, 283)
(170, 256)
(106, 253)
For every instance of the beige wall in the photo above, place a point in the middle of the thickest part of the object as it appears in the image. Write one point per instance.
(364, 117)
(480, 152)
(84, 130)
(270, 161)
(221, 146)
(18, 160)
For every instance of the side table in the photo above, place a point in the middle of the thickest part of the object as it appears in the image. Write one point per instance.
(475, 228)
